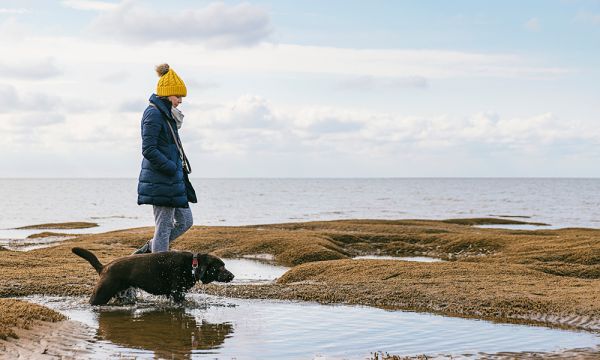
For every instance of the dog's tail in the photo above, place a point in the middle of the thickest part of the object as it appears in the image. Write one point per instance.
(90, 257)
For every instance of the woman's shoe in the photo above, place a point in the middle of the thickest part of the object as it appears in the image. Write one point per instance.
(146, 249)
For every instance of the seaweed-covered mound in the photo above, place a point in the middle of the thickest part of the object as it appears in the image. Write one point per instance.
(542, 276)
(21, 314)
(60, 226)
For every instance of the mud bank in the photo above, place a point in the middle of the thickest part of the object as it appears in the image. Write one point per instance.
(547, 277)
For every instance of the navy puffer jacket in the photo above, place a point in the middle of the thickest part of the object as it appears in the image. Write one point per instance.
(161, 178)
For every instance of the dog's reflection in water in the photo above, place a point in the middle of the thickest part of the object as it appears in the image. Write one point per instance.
(169, 333)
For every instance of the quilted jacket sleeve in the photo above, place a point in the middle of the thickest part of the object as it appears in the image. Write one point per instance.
(151, 126)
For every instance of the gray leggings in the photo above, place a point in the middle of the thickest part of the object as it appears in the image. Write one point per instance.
(170, 224)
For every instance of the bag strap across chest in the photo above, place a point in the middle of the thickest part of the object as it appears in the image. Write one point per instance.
(184, 160)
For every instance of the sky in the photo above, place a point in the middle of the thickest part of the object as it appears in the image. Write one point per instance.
(308, 88)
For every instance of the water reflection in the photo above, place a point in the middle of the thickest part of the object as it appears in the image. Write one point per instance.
(169, 333)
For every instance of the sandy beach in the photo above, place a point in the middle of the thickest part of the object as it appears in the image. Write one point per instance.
(539, 277)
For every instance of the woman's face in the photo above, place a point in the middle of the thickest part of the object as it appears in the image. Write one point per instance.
(175, 100)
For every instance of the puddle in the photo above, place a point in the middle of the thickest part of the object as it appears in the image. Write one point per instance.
(267, 257)
(20, 234)
(216, 327)
(17, 239)
(32, 244)
(249, 271)
(399, 258)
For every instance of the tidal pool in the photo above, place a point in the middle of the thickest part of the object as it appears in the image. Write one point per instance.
(225, 328)
(248, 271)
(212, 327)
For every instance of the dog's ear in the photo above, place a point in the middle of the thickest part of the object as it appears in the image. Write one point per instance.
(203, 260)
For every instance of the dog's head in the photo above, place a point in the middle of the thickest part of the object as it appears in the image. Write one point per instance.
(211, 268)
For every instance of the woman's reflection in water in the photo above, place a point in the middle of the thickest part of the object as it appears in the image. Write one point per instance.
(169, 333)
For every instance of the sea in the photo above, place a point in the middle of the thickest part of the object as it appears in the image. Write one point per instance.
(112, 203)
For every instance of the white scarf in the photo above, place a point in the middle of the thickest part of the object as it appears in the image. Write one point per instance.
(178, 116)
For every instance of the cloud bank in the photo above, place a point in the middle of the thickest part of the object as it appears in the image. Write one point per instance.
(30, 69)
(89, 5)
(252, 122)
(216, 25)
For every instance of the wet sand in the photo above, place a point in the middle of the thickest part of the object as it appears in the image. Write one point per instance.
(541, 277)
(63, 340)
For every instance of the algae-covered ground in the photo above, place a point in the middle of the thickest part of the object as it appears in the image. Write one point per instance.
(66, 225)
(549, 277)
(16, 314)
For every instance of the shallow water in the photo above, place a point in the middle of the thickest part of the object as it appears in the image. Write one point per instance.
(32, 244)
(225, 328)
(248, 271)
(210, 327)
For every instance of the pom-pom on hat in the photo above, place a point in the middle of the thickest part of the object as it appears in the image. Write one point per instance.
(169, 83)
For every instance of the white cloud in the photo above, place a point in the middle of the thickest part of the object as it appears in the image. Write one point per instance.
(378, 63)
(199, 86)
(253, 127)
(133, 105)
(12, 31)
(31, 121)
(376, 68)
(8, 98)
(217, 25)
(248, 112)
(533, 24)
(13, 11)
(12, 101)
(31, 70)
(367, 82)
(252, 123)
(115, 76)
(89, 5)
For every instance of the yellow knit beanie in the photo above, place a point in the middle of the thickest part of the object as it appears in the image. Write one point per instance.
(169, 83)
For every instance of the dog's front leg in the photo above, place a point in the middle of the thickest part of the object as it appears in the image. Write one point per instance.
(177, 296)
(103, 292)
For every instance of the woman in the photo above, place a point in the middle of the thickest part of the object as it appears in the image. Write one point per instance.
(163, 181)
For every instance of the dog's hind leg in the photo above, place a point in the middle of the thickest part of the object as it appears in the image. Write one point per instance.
(103, 292)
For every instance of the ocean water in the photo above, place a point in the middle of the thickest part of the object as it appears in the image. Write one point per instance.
(112, 202)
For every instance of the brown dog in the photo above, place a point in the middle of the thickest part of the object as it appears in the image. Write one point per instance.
(170, 273)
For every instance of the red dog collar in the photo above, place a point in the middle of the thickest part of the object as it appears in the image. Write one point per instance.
(194, 265)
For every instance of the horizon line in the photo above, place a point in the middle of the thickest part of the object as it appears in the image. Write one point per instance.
(307, 178)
